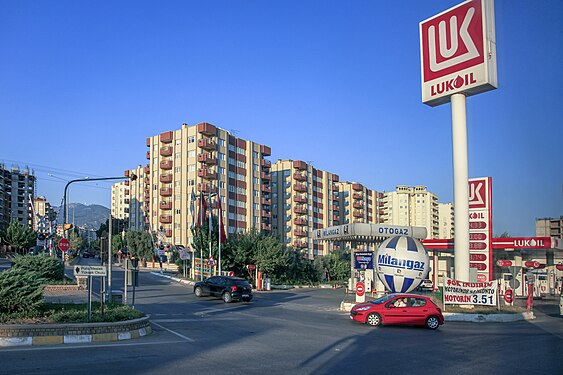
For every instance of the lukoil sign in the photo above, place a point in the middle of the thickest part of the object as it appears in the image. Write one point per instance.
(458, 52)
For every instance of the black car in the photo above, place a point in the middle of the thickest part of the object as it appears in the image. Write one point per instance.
(227, 287)
(89, 254)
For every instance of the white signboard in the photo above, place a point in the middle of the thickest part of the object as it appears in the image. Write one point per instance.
(463, 293)
(343, 232)
(458, 52)
(90, 271)
(481, 227)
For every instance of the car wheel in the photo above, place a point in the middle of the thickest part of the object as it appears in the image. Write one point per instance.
(227, 297)
(432, 322)
(373, 319)
(198, 292)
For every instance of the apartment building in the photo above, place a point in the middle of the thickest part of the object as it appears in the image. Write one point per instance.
(414, 206)
(120, 200)
(303, 199)
(358, 204)
(549, 227)
(209, 160)
(44, 214)
(17, 189)
(446, 220)
(137, 188)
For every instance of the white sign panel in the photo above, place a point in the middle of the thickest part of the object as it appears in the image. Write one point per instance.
(463, 293)
(342, 232)
(481, 227)
(458, 52)
(90, 271)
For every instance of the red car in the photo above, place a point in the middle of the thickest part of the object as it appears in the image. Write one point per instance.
(409, 309)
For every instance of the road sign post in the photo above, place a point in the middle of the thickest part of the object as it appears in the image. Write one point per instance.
(90, 271)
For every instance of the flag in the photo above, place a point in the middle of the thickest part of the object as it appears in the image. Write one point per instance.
(202, 210)
(222, 234)
(192, 209)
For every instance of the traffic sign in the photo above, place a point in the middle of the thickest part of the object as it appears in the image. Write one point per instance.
(90, 271)
(360, 289)
(64, 245)
(251, 267)
(508, 296)
(211, 261)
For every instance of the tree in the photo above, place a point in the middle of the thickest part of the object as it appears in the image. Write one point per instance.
(19, 237)
(139, 243)
(76, 242)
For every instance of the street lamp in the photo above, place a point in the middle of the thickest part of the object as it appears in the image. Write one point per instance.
(133, 177)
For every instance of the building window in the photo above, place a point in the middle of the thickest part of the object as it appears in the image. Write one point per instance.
(191, 139)
(191, 154)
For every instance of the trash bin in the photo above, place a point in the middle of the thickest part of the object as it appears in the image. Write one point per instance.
(267, 284)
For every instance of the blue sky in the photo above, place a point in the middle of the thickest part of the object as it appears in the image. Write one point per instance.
(83, 83)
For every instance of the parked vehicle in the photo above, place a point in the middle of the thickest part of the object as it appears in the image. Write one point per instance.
(407, 309)
(88, 253)
(228, 288)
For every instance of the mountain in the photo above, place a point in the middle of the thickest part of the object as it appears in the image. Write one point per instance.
(91, 216)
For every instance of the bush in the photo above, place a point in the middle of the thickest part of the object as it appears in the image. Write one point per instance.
(43, 266)
(20, 292)
(78, 313)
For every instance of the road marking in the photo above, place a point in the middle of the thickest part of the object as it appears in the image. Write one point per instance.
(173, 332)
(190, 320)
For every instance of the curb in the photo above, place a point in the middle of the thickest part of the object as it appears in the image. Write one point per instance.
(81, 333)
(173, 278)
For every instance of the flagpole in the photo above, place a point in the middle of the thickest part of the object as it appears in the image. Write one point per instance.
(219, 236)
(209, 224)
(200, 236)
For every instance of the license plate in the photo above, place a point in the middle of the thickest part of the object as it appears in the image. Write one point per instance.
(245, 295)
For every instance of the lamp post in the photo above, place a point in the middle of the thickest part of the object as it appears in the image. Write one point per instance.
(133, 177)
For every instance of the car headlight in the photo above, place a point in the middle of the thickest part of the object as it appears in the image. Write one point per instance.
(363, 308)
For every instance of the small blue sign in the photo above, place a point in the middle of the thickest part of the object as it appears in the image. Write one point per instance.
(363, 260)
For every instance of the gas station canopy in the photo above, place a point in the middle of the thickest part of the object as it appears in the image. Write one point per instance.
(363, 232)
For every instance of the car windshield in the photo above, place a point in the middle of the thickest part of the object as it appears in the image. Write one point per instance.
(382, 299)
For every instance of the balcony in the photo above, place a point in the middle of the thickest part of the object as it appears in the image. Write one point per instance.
(206, 143)
(165, 205)
(358, 204)
(299, 244)
(266, 214)
(358, 196)
(206, 158)
(166, 164)
(166, 192)
(166, 178)
(266, 227)
(335, 188)
(300, 176)
(265, 189)
(127, 183)
(335, 218)
(266, 201)
(299, 199)
(206, 129)
(165, 151)
(357, 187)
(148, 155)
(147, 169)
(265, 150)
(168, 233)
(265, 176)
(165, 219)
(301, 165)
(166, 137)
(205, 188)
(300, 221)
(300, 233)
(148, 142)
(265, 163)
(300, 188)
(300, 210)
(358, 213)
(207, 173)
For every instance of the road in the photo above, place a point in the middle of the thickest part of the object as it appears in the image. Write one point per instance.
(299, 331)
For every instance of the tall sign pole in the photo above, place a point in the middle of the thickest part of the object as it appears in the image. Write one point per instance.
(458, 59)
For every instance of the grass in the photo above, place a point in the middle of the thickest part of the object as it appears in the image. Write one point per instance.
(73, 313)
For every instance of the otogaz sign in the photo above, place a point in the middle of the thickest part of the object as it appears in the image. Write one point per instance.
(458, 52)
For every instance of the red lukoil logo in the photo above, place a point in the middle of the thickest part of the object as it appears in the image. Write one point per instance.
(477, 194)
(451, 42)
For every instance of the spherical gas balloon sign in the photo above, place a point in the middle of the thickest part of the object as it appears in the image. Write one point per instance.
(402, 263)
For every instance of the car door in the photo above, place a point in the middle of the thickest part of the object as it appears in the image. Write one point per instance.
(206, 285)
(391, 314)
(420, 310)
